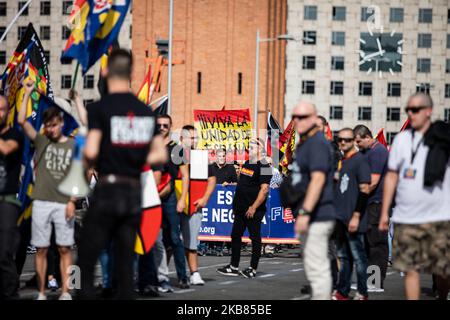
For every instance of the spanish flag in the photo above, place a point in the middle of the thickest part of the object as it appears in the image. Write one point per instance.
(144, 92)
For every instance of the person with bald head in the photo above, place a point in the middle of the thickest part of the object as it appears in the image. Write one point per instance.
(312, 177)
(422, 211)
(11, 142)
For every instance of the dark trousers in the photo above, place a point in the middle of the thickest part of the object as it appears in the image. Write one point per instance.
(114, 215)
(9, 241)
(377, 242)
(241, 222)
(148, 271)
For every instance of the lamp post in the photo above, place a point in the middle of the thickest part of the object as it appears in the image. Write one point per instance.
(258, 41)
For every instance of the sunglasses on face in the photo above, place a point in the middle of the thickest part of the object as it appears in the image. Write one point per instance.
(300, 116)
(414, 109)
(347, 140)
(163, 125)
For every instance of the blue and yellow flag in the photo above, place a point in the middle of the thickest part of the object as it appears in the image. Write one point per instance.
(95, 26)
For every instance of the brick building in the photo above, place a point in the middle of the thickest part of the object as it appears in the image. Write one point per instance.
(215, 42)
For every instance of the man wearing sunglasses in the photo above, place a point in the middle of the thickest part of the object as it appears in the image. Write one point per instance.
(422, 212)
(249, 208)
(377, 242)
(350, 200)
(312, 176)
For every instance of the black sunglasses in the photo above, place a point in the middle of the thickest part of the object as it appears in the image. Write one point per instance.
(345, 139)
(415, 110)
(300, 117)
(163, 125)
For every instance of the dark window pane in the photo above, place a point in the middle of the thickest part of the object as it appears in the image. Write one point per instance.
(3, 8)
(336, 113)
(339, 13)
(365, 88)
(365, 113)
(308, 87)
(309, 37)
(310, 13)
(396, 14)
(393, 114)
(21, 5)
(425, 15)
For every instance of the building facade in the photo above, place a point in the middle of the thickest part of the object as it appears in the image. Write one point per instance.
(337, 62)
(214, 53)
(49, 19)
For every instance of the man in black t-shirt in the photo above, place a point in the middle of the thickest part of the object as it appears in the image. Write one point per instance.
(350, 200)
(249, 208)
(11, 143)
(312, 176)
(224, 172)
(121, 140)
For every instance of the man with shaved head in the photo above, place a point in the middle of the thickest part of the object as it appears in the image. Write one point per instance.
(312, 176)
(422, 211)
(11, 142)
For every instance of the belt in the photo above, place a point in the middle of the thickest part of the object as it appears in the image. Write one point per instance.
(10, 198)
(117, 179)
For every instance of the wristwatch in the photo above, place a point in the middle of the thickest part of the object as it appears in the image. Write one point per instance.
(303, 212)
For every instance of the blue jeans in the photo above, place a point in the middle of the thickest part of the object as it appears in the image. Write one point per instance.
(172, 230)
(106, 263)
(350, 249)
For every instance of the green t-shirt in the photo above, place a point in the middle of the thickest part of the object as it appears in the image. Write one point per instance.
(53, 163)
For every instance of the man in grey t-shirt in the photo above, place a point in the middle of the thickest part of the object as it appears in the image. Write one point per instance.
(53, 157)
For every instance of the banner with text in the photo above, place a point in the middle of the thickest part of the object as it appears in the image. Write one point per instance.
(228, 129)
(277, 225)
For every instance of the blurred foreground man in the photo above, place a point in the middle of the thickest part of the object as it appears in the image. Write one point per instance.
(121, 132)
(313, 174)
(419, 176)
(11, 142)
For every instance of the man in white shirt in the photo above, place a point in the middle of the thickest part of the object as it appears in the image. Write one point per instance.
(421, 214)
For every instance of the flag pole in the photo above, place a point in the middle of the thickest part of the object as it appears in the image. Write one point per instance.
(169, 76)
(14, 20)
(75, 75)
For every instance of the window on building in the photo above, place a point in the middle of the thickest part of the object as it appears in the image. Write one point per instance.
(447, 90)
(308, 87)
(390, 137)
(87, 101)
(448, 41)
(45, 33)
(21, 32)
(425, 15)
(337, 88)
(447, 66)
(338, 38)
(447, 115)
(424, 40)
(65, 33)
(66, 5)
(240, 83)
(309, 37)
(2, 57)
(21, 5)
(424, 65)
(365, 88)
(66, 81)
(309, 62)
(2, 31)
(337, 63)
(423, 87)
(393, 114)
(336, 112)
(199, 82)
(396, 15)
(131, 31)
(45, 8)
(65, 61)
(88, 82)
(3, 8)
(310, 13)
(365, 14)
(47, 56)
(394, 89)
(364, 113)
(339, 13)
(448, 16)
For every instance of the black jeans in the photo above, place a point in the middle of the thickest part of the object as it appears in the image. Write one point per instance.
(9, 241)
(114, 215)
(241, 222)
(377, 242)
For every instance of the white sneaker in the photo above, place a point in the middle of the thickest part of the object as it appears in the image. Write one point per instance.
(354, 286)
(196, 279)
(372, 288)
(65, 296)
(41, 296)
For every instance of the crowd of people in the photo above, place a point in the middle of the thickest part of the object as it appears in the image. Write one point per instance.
(340, 192)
